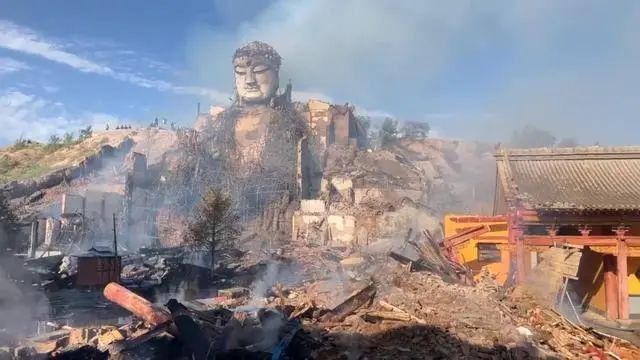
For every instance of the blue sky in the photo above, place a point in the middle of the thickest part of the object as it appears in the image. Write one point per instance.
(472, 69)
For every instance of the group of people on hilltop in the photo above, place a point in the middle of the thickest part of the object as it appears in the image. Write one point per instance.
(156, 123)
(120, 127)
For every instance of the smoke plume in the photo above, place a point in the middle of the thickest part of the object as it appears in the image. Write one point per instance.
(490, 67)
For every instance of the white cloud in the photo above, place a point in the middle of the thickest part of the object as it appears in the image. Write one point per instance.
(9, 65)
(24, 40)
(33, 117)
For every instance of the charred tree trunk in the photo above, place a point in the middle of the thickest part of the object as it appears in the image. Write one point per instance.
(212, 244)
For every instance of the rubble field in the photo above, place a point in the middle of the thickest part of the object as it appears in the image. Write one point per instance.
(327, 303)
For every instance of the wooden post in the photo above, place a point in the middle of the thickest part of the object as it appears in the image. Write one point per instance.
(610, 286)
(115, 237)
(521, 261)
(515, 238)
(623, 283)
(33, 239)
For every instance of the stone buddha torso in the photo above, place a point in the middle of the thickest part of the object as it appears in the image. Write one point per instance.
(251, 132)
(258, 142)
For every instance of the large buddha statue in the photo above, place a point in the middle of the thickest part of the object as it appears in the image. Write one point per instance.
(255, 139)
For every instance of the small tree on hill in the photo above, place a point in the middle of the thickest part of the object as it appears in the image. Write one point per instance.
(388, 131)
(54, 142)
(68, 138)
(215, 224)
(20, 143)
(85, 133)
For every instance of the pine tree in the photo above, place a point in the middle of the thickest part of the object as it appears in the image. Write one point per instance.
(215, 224)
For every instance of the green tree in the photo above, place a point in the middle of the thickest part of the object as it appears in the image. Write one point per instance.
(54, 142)
(20, 143)
(215, 223)
(85, 133)
(388, 131)
(68, 138)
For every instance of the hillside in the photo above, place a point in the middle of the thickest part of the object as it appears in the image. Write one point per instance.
(33, 159)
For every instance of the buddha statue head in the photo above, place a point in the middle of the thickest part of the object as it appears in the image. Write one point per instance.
(256, 67)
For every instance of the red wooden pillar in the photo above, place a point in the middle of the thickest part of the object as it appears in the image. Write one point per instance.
(610, 286)
(515, 239)
(623, 283)
(521, 262)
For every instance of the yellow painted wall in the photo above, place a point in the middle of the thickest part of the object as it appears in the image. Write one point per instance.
(467, 253)
(590, 283)
(633, 263)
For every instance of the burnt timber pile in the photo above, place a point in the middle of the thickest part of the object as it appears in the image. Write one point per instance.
(374, 308)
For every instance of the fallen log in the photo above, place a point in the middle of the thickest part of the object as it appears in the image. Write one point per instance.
(139, 306)
(353, 303)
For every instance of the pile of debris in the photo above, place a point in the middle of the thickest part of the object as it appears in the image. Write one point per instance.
(322, 303)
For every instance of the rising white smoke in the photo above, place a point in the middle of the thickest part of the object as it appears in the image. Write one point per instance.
(565, 66)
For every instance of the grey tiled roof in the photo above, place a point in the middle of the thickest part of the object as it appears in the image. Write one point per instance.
(582, 178)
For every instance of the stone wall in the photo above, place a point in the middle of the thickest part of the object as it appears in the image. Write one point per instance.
(328, 125)
(96, 204)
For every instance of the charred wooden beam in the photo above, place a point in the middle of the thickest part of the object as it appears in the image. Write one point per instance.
(353, 303)
(412, 265)
(465, 235)
(400, 258)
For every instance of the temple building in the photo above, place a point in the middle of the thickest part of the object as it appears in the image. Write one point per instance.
(587, 197)
(585, 200)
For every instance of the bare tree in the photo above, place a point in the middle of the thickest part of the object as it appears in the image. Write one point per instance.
(215, 224)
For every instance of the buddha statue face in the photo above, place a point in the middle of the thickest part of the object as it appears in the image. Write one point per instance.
(255, 69)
